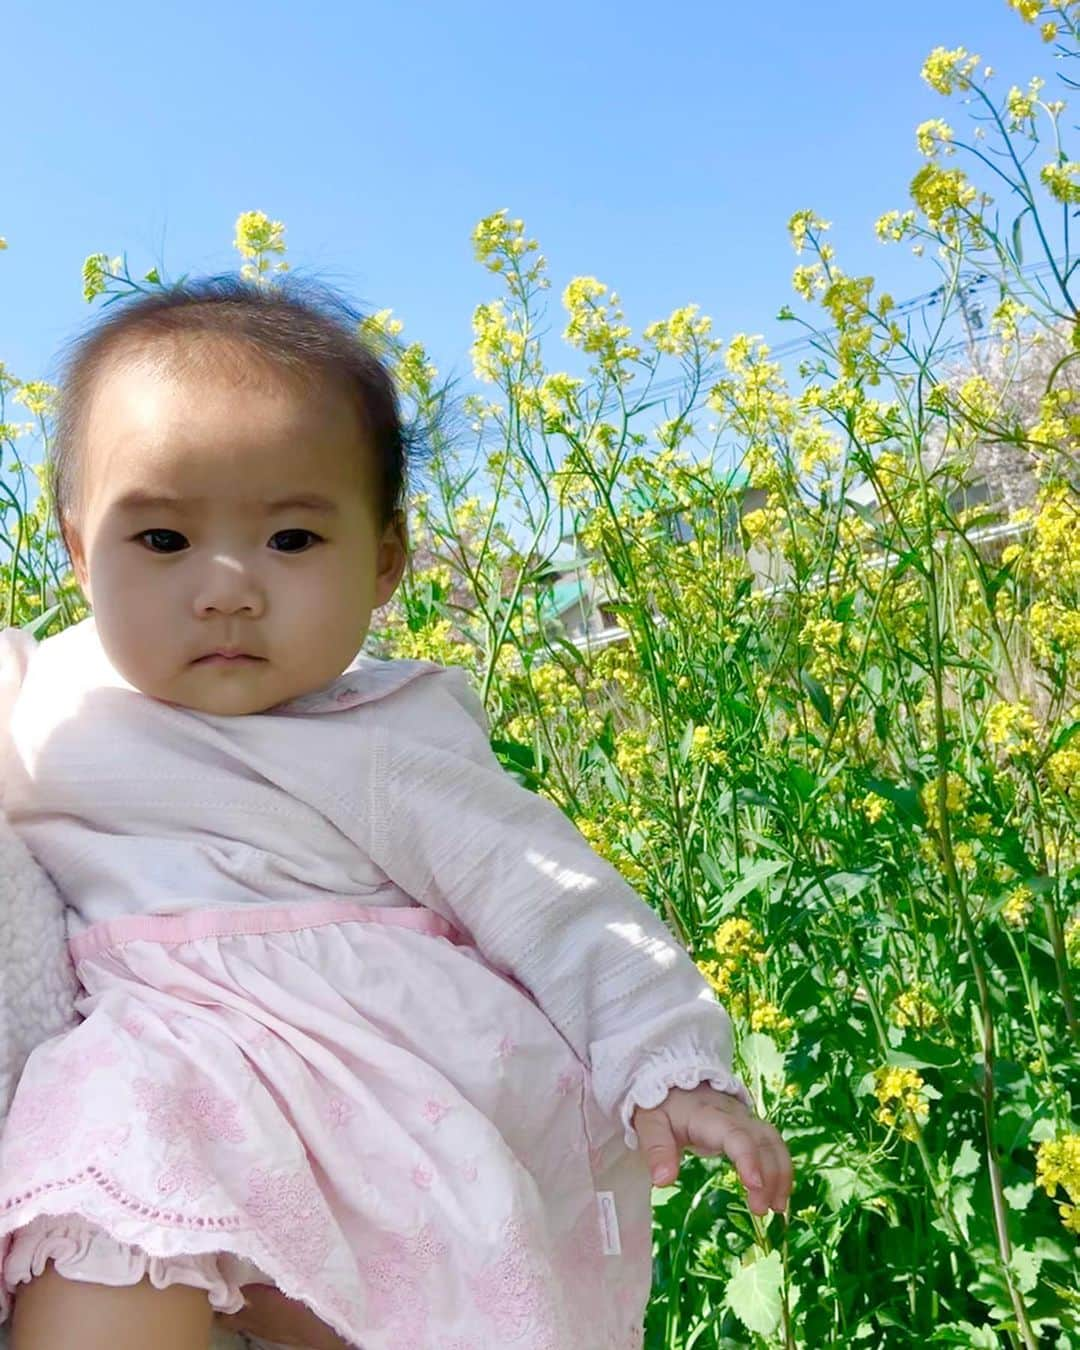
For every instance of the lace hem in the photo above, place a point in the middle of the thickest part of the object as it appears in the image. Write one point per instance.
(219, 1242)
(81, 1250)
(655, 1082)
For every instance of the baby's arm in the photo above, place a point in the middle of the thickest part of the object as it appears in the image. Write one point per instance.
(453, 829)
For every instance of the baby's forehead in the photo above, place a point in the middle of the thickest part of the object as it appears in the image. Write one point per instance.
(215, 421)
(191, 362)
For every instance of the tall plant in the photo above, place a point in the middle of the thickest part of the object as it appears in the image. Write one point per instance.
(837, 747)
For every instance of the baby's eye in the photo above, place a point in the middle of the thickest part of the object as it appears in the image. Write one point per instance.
(292, 534)
(173, 534)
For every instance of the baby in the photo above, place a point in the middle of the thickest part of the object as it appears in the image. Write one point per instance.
(375, 1051)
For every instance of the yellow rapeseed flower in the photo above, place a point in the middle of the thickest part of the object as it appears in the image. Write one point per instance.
(736, 940)
(681, 333)
(257, 233)
(1029, 10)
(95, 273)
(956, 797)
(767, 1017)
(1007, 317)
(873, 807)
(705, 748)
(1054, 557)
(38, 396)
(499, 241)
(933, 135)
(633, 752)
(1062, 180)
(808, 279)
(257, 236)
(942, 194)
(1016, 909)
(964, 858)
(894, 225)
(1063, 770)
(718, 975)
(946, 70)
(901, 1100)
(801, 225)
(1058, 1164)
(380, 325)
(755, 523)
(1072, 941)
(1021, 106)
(1012, 725)
(498, 343)
(913, 1007)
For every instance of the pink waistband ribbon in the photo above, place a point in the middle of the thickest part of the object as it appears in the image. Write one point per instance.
(203, 923)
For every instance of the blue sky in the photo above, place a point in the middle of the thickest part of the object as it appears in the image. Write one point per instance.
(661, 148)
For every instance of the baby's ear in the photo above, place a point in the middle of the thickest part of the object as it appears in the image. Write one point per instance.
(77, 553)
(392, 559)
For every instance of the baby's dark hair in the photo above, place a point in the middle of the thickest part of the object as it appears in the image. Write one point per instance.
(297, 328)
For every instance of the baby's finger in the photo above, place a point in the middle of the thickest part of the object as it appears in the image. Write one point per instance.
(783, 1173)
(712, 1131)
(775, 1164)
(658, 1144)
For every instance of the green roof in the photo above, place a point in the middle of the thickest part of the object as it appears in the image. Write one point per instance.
(640, 496)
(563, 595)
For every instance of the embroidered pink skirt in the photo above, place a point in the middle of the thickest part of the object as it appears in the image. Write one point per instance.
(344, 1101)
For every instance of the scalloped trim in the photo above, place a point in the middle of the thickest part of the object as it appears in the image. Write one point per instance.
(85, 1251)
(656, 1083)
(224, 1235)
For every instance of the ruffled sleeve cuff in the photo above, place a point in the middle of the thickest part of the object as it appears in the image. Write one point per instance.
(653, 1083)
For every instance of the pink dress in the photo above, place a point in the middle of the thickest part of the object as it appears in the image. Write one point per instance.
(361, 1017)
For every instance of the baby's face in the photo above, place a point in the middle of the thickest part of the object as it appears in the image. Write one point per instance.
(267, 541)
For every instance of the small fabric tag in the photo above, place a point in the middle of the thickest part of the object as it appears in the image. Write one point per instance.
(609, 1223)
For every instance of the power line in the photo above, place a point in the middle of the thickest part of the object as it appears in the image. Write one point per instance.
(978, 282)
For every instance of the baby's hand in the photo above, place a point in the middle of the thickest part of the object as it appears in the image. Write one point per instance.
(711, 1122)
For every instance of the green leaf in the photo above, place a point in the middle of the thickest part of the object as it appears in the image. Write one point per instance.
(731, 894)
(802, 780)
(840, 1183)
(662, 1194)
(1065, 735)
(932, 1052)
(848, 884)
(967, 1160)
(843, 608)
(713, 875)
(1025, 1266)
(1018, 237)
(1019, 1196)
(37, 626)
(967, 1335)
(753, 1294)
(906, 798)
(763, 1059)
(818, 697)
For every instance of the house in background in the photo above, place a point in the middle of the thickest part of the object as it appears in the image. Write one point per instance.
(579, 609)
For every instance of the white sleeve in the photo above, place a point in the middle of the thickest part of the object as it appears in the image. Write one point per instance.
(457, 832)
(16, 649)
